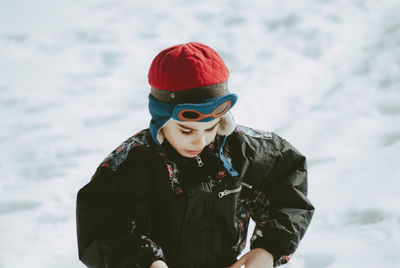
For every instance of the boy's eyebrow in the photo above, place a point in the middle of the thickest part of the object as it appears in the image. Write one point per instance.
(185, 127)
(189, 128)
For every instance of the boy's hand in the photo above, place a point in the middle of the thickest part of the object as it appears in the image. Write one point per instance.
(255, 258)
(158, 264)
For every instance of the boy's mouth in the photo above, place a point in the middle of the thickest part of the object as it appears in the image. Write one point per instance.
(193, 152)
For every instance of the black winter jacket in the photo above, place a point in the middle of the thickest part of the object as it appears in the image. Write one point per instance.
(146, 202)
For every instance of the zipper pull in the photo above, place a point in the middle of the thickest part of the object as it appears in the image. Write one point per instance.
(226, 192)
(199, 162)
(247, 185)
(222, 194)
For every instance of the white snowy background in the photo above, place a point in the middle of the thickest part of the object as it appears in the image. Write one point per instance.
(323, 74)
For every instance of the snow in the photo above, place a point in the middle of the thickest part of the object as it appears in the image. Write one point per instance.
(325, 75)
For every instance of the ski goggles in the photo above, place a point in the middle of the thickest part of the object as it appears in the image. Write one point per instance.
(205, 111)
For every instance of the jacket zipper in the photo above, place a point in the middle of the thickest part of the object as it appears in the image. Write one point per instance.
(227, 192)
(199, 162)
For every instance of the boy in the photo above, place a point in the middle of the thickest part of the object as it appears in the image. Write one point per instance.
(181, 193)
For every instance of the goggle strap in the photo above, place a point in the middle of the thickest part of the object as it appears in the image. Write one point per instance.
(193, 95)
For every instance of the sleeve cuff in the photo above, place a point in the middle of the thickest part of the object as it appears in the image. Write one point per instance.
(151, 252)
(281, 256)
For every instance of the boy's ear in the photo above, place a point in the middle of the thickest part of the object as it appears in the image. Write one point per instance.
(160, 134)
(226, 125)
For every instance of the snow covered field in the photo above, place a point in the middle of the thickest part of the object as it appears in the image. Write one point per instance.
(323, 74)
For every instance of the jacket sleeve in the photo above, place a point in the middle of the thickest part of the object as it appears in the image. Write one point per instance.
(112, 213)
(281, 209)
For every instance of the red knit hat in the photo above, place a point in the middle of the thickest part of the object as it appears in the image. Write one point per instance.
(190, 72)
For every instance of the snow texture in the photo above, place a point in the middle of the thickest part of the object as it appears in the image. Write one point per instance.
(323, 74)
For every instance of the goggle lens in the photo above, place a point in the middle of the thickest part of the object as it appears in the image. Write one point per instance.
(190, 115)
(221, 109)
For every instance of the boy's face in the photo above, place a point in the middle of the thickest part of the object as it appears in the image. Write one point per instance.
(190, 138)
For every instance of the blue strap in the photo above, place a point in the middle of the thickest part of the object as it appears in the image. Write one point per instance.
(227, 166)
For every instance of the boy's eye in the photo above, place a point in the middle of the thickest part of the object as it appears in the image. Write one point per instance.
(211, 129)
(186, 132)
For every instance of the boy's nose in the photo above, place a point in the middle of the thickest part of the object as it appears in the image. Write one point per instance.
(199, 142)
